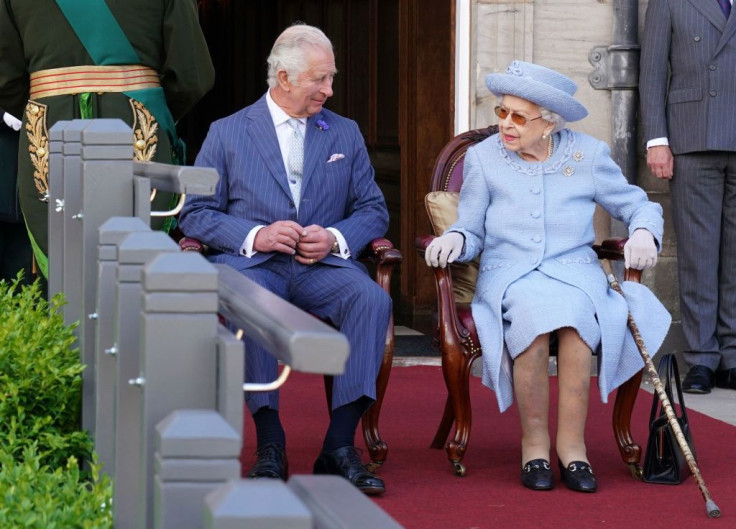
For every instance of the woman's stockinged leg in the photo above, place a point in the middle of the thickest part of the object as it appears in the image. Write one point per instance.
(531, 386)
(573, 377)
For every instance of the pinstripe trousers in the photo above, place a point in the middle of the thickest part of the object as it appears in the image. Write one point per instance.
(703, 192)
(355, 304)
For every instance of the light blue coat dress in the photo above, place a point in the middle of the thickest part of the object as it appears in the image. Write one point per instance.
(532, 223)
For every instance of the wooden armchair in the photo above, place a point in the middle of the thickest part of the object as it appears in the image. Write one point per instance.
(382, 255)
(456, 333)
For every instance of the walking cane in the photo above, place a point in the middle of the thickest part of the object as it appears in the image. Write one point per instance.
(710, 505)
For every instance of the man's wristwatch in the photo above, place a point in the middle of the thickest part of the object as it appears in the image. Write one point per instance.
(335, 247)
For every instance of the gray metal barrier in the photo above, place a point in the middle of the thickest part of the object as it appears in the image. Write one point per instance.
(163, 390)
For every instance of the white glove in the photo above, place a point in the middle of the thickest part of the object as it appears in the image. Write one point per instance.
(640, 252)
(11, 121)
(444, 249)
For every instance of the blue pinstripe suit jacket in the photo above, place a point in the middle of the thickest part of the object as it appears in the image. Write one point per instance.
(253, 188)
(687, 82)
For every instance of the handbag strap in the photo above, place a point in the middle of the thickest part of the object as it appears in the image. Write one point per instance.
(668, 371)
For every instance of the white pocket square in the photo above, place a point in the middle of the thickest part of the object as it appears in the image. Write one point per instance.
(335, 157)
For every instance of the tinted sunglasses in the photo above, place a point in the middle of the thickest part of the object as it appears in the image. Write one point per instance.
(516, 118)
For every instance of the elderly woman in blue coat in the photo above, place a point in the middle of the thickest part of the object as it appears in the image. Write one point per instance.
(526, 206)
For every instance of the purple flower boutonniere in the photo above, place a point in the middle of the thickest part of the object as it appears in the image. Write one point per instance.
(322, 125)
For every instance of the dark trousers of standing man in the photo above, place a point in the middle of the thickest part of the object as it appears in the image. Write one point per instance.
(15, 251)
(15, 247)
(704, 213)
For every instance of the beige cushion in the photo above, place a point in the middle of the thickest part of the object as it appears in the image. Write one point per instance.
(442, 211)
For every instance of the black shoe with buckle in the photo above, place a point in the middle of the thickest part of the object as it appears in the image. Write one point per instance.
(699, 380)
(271, 463)
(537, 475)
(578, 476)
(346, 462)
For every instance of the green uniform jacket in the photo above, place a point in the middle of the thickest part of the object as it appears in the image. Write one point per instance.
(35, 35)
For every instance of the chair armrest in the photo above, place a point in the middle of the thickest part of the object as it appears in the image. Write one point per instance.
(384, 256)
(611, 249)
(189, 244)
(381, 252)
(422, 241)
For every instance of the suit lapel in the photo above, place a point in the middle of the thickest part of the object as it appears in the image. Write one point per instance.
(263, 135)
(316, 141)
(728, 32)
(710, 10)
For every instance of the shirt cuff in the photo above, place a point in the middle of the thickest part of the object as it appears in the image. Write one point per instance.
(344, 250)
(247, 248)
(656, 142)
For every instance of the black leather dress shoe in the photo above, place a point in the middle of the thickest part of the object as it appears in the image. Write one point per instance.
(699, 379)
(271, 463)
(346, 462)
(578, 476)
(537, 475)
(726, 378)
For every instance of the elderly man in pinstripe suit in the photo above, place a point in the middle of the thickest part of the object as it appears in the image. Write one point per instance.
(295, 204)
(688, 106)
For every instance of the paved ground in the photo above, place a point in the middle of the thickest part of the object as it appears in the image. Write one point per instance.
(719, 404)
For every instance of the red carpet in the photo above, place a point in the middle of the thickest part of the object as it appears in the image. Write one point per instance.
(423, 492)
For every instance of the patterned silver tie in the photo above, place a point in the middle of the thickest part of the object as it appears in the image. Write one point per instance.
(296, 159)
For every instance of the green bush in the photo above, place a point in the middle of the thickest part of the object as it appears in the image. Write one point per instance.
(40, 378)
(41, 484)
(39, 497)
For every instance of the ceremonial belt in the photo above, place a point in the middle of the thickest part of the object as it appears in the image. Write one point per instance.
(92, 78)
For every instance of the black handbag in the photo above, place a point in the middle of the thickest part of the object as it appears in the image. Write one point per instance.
(664, 461)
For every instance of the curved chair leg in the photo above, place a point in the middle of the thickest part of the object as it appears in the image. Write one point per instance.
(456, 370)
(443, 430)
(622, 409)
(377, 448)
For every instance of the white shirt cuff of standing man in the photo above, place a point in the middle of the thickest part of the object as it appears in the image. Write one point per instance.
(11, 121)
(247, 248)
(656, 142)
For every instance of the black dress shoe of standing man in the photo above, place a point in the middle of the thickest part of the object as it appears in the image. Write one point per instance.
(271, 463)
(699, 379)
(346, 462)
(726, 378)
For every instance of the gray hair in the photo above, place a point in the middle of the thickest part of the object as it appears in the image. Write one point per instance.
(554, 118)
(289, 52)
(557, 121)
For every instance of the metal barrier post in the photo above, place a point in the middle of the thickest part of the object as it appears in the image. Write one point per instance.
(196, 452)
(177, 350)
(112, 232)
(134, 252)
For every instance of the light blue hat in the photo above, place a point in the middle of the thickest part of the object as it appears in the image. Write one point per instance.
(547, 88)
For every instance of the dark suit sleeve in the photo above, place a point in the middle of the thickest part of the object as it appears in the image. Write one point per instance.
(14, 81)
(187, 72)
(654, 67)
(206, 217)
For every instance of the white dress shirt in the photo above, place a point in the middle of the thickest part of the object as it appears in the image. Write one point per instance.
(283, 130)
